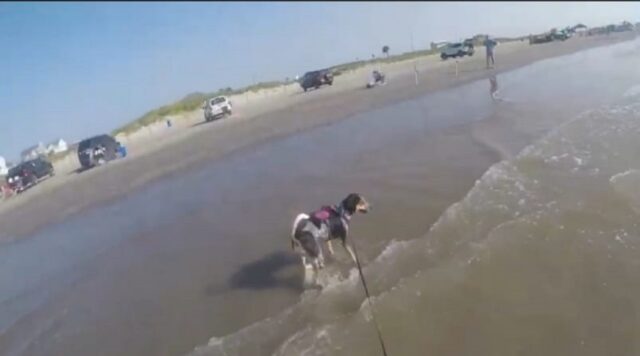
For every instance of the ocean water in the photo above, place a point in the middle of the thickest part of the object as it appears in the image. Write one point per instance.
(541, 257)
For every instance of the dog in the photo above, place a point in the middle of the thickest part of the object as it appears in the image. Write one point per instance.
(328, 223)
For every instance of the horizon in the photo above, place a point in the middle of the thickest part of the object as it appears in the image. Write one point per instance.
(91, 67)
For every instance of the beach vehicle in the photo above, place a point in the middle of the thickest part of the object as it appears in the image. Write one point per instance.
(316, 79)
(543, 38)
(457, 49)
(217, 107)
(29, 173)
(98, 150)
(560, 36)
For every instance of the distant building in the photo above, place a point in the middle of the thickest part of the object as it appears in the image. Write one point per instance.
(597, 31)
(625, 26)
(579, 27)
(581, 31)
(44, 150)
(34, 152)
(438, 45)
(3, 167)
(57, 146)
(479, 40)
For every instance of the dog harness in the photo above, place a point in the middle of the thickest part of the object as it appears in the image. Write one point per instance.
(324, 213)
(318, 224)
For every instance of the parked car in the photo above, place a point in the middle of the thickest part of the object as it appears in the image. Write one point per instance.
(537, 39)
(99, 150)
(316, 79)
(458, 49)
(560, 36)
(29, 173)
(216, 107)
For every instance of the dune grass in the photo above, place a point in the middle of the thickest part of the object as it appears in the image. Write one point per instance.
(189, 103)
(351, 66)
(194, 101)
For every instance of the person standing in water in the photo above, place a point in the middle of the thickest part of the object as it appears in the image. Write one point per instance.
(490, 45)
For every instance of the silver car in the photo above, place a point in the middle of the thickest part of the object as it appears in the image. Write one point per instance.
(458, 49)
(216, 107)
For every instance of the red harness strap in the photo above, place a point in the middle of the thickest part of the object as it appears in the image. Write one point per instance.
(323, 214)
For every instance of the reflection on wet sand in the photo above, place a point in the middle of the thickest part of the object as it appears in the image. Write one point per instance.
(493, 88)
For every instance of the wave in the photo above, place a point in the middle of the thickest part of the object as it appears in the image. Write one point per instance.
(540, 257)
(632, 92)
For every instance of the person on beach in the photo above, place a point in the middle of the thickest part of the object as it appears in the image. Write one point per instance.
(490, 45)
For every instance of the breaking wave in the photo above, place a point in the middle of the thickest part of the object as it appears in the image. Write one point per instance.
(540, 258)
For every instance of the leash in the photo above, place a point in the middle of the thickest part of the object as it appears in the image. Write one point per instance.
(366, 292)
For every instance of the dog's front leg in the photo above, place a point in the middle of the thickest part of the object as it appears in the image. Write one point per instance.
(330, 246)
(351, 253)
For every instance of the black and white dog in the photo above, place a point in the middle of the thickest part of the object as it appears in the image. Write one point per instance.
(323, 225)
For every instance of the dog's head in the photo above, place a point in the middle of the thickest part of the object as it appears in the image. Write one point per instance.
(355, 203)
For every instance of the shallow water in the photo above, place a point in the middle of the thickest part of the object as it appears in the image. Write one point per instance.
(540, 257)
(536, 259)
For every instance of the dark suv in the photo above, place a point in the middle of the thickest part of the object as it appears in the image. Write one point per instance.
(29, 173)
(97, 150)
(316, 78)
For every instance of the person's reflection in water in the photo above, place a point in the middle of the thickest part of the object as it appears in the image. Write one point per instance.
(493, 89)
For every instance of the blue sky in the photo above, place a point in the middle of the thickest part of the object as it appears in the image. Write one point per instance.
(71, 70)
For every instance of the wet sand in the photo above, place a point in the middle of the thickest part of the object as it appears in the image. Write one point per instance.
(202, 252)
(68, 193)
(224, 263)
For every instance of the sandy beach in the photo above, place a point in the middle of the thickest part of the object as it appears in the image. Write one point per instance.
(182, 247)
(158, 151)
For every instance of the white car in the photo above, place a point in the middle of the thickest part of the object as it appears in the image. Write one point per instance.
(216, 107)
(459, 49)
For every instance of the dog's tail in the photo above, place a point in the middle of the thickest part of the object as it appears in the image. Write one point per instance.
(294, 228)
(296, 222)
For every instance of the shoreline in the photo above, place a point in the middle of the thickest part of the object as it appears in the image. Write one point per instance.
(204, 252)
(68, 193)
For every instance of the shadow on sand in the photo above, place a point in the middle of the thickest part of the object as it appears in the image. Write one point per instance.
(78, 170)
(203, 122)
(270, 271)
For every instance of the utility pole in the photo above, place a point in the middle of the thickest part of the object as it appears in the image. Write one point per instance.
(415, 65)
(411, 34)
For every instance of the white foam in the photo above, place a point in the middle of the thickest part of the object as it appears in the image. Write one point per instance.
(502, 186)
(330, 279)
(291, 340)
(632, 92)
(215, 341)
(617, 177)
(392, 249)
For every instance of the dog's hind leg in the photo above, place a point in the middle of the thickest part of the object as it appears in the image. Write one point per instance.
(305, 264)
(320, 259)
(310, 277)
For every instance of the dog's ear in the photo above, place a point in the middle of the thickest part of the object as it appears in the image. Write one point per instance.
(350, 203)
